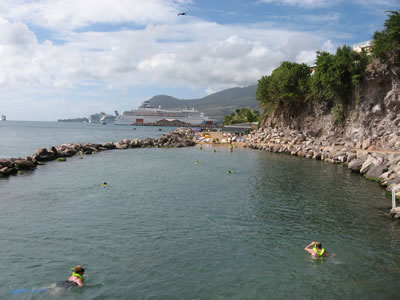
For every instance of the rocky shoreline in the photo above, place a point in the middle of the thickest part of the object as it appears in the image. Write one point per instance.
(182, 137)
(380, 166)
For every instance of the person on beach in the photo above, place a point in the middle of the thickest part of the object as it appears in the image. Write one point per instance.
(317, 250)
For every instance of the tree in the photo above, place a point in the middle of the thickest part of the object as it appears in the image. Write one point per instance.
(387, 40)
(289, 84)
(243, 115)
(336, 77)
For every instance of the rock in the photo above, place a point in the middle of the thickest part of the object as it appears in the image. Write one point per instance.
(394, 181)
(367, 165)
(23, 164)
(5, 163)
(375, 172)
(356, 164)
(41, 154)
(109, 145)
(366, 143)
(121, 146)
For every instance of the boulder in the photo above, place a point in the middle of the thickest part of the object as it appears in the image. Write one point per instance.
(109, 145)
(375, 172)
(369, 163)
(41, 154)
(121, 146)
(23, 164)
(6, 163)
(356, 164)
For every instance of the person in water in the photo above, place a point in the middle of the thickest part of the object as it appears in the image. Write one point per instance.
(76, 279)
(77, 276)
(317, 250)
(104, 185)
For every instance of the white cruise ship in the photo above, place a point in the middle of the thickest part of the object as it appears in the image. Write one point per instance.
(147, 114)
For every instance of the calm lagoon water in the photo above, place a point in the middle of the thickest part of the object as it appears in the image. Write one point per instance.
(167, 228)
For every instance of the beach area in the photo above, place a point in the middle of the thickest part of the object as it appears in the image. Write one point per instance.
(220, 139)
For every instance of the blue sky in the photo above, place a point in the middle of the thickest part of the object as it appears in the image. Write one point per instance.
(71, 58)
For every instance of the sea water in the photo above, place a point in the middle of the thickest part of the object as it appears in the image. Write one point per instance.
(168, 228)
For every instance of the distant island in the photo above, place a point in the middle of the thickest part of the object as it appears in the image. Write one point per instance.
(74, 120)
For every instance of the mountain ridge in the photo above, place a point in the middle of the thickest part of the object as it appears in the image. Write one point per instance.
(216, 105)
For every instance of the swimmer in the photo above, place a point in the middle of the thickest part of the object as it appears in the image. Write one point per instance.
(77, 276)
(76, 279)
(317, 250)
(104, 185)
(229, 171)
(58, 288)
(201, 146)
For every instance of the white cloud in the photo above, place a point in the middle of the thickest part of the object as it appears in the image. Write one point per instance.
(304, 3)
(312, 4)
(164, 51)
(188, 55)
(69, 14)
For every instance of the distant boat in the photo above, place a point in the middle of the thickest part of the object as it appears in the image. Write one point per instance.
(3, 118)
(147, 114)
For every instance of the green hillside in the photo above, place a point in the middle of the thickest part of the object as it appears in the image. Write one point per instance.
(216, 105)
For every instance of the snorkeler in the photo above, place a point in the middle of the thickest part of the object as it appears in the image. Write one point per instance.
(77, 277)
(104, 185)
(317, 250)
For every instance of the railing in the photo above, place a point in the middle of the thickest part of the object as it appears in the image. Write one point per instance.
(396, 188)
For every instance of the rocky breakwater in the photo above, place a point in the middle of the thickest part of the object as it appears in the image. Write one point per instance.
(182, 137)
(380, 166)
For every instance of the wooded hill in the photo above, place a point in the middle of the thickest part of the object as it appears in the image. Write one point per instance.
(216, 105)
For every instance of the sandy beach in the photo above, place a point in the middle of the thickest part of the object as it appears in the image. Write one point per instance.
(217, 135)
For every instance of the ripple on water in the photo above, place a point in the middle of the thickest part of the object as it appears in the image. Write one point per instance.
(168, 228)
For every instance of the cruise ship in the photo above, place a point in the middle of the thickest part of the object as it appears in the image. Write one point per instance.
(3, 117)
(147, 114)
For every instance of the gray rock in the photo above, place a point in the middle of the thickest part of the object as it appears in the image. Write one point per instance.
(369, 163)
(356, 164)
(376, 171)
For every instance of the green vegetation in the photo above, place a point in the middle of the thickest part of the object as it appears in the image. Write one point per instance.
(243, 115)
(336, 80)
(388, 40)
(61, 159)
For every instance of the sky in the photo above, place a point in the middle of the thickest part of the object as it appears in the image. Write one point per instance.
(71, 58)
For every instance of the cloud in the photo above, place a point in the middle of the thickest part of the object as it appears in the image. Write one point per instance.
(71, 14)
(158, 50)
(313, 4)
(304, 3)
(192, 54)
